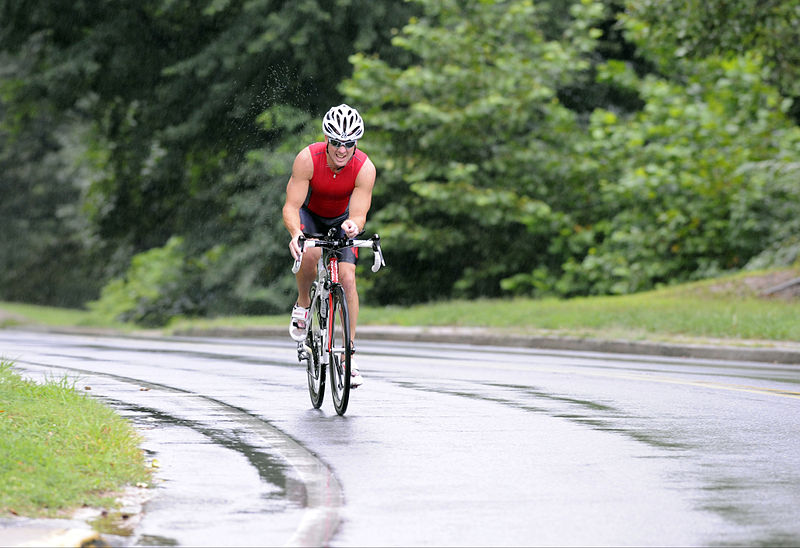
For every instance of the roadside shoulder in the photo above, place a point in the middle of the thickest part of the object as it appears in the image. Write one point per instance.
(715, 349)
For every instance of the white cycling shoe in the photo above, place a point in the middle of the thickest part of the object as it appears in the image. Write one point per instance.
(356, 379)
(299, 325)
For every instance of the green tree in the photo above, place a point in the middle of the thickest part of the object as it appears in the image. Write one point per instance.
(491, 183)
(683, 182)
(477, 155)
(43, 256)
(670, 30)
(171, 92)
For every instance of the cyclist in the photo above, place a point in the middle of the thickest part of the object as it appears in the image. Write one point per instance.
(330, 186)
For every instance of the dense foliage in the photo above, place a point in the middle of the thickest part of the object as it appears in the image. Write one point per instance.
(522, 147)
(491, 183)
(163, 102)
(671, 31)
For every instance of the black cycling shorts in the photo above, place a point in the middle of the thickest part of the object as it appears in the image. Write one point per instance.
(314, 226)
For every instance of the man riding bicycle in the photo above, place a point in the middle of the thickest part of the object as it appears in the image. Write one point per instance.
(330, 186)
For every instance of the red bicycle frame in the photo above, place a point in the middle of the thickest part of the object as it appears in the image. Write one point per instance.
(333, 269)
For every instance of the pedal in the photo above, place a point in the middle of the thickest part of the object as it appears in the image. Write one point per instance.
(303, 352)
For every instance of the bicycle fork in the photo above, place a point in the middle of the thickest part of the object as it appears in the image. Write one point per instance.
(321, 295)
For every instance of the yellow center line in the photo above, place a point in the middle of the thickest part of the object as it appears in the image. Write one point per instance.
(574, 369)
(705, 384)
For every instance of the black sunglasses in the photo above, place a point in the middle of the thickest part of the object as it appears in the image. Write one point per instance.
(346, 144)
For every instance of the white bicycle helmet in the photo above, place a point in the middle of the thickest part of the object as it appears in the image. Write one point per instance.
(343, 123)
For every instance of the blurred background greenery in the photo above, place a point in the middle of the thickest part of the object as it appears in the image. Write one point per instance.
(524, 148)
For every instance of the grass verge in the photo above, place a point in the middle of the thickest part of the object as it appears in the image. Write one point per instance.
(643, 316)
(61, 449)
(730, 308)
(12, 314)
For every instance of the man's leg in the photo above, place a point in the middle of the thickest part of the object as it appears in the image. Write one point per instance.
(347, 277)
(306, 276)
(298, 327)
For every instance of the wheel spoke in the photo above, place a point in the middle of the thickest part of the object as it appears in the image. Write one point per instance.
(340, 350)
(315, 369)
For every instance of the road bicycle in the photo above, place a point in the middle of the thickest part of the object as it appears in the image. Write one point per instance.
(328, 343)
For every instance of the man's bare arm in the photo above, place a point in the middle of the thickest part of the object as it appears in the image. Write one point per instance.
(360, 200)
(296, 192)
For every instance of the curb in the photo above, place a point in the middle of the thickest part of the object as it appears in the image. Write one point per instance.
(68, 538)
(732, 350)
(55, 533)
(785, 352)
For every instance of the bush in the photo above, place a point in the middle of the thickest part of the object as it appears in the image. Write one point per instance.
(159, 285)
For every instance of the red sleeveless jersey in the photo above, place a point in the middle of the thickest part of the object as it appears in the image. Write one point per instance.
(329, 192)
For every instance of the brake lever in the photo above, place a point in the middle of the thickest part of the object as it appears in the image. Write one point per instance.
(378, 261)
(296, 267)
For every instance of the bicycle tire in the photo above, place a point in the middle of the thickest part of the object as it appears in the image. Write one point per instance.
(315, 370)
(340, 349)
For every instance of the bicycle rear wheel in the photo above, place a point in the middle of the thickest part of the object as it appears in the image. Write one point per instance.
(315, 369)
(340, 349)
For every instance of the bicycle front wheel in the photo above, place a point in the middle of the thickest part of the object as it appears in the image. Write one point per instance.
(315, 345)
(340, 349)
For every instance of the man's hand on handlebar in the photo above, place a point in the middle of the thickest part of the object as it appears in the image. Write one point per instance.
(294, 247)
(351, 229)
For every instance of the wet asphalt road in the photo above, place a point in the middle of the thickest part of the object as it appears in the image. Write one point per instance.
(446, 445)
